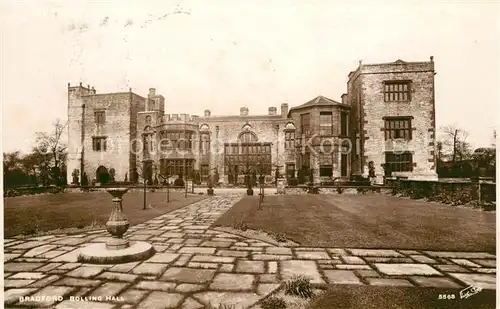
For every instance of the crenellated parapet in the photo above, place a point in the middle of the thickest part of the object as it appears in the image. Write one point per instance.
(179, 119)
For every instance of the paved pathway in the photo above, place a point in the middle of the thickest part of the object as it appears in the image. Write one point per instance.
(195, 265)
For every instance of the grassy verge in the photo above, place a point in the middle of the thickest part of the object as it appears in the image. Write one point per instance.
(365, 221)
(376, 297)
(32, 215)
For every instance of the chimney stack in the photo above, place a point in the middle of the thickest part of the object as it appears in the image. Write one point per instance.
(272, 111)
(152, 92)
(284, 110)
(344, 98)
(244, 111)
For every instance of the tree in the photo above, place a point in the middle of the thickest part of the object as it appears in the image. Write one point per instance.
(11, 160)
(13, 173)
(112, 173)
(30, 163)
(51, 143)
(455, 139)
(50, 154)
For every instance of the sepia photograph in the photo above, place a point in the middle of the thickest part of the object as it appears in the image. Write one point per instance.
(280, 154)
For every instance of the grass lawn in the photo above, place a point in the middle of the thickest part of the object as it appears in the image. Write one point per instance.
(375, 297)
(366, 221)
(42, 213)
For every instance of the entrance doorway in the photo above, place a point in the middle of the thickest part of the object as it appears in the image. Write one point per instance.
(343, 165)
(102, 175)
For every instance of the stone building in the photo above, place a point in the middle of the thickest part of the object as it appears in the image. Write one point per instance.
(393, 119)
(387, 107)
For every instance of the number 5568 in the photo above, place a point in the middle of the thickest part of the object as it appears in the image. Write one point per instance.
(446, 296)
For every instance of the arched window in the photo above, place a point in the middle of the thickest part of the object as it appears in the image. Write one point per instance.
(246, 127)
(204, 142)
(289, 136)
(148, 119)
(290, 127)
(247, 137)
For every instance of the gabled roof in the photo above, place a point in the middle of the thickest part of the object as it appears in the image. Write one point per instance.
(399, 61)
(317, 101)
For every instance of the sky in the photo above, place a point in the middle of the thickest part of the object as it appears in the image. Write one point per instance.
(222, 55)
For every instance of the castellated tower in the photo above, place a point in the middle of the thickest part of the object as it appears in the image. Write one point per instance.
(76, 112)
(101, 131)
(393, 119)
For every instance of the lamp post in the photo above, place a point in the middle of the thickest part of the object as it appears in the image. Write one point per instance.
(261, 187)
(144, 208)
(185, 176)
(168, 184)
(147, 147)
(145, 176)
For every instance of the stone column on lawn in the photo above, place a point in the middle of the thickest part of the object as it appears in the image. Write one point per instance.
(117, 249)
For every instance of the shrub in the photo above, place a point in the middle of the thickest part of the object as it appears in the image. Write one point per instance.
(31, 228)
(85, 180)
(273, 303)
(240, 225)
(179, 182)
(489, 207)
(12, 193)
(312, 189)
(299, 286)
(394, 190)
(361, 190)
(417, 192)
(29, 231)
(461, 198)
(280, 237)
(55, 190)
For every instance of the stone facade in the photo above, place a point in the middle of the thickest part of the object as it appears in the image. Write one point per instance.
(371, 105)
(118, 128)
(132, 134)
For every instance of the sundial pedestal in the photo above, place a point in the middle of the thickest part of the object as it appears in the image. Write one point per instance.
(117, 249)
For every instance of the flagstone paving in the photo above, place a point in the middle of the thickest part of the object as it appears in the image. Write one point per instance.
(195, 265)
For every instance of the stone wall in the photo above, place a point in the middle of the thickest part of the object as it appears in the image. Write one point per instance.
(227, 129)
(455, 193)
(116, 129)
(138, 104)
(76, 107)
(353, 98)
(348, 190)
(367, 87)
(313, 142)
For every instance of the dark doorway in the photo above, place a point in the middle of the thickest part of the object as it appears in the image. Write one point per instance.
(102, 175)
(148, 171)
(343, 165)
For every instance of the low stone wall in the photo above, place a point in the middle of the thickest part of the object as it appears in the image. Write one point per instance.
(20, 191)
(337, 190)
(455, 193)
(131, 189)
